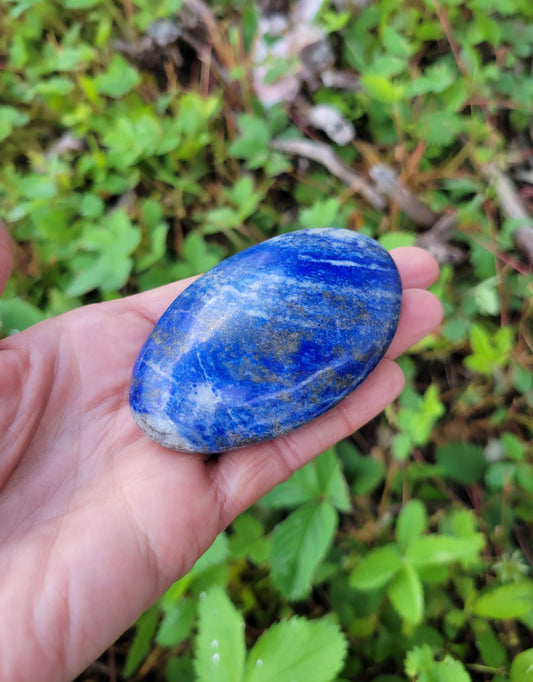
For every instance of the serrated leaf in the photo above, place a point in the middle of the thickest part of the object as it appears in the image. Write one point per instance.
(430, 550)
(330, 478)
(462, 462)
(297, 649)
(505, 601)
(220, 650)
(407, 595)
(420, 664)
(320, 478)
(411, 522)
(450, 670)
(248, 540)
(119, 79)
(253, 143)
(322, 213)
(113, 241)
(418, 660)
(298, 545)
(376, 569)
(440, 127)
(522, 667)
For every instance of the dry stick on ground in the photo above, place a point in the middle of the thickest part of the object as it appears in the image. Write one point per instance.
(386, 179)
(388, 183)
(322, 153)
(512, 207)
(436, 240)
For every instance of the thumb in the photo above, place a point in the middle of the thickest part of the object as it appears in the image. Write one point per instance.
(6, 255)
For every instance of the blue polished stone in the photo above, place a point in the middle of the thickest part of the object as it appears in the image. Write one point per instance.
(266, 341)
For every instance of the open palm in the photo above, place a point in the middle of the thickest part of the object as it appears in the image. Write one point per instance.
(96, 520)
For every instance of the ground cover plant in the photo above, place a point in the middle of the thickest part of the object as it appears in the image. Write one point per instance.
(143, 142)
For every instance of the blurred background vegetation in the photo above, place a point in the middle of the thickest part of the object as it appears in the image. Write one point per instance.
(145, 141)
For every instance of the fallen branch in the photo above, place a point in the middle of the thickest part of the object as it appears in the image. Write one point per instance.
(436, 241)
(514, 208)
(388, 183)
(323, 154)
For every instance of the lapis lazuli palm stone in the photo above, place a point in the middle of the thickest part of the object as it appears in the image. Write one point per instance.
(266, 341)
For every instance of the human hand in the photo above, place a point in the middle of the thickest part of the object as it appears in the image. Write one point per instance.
(96, 519)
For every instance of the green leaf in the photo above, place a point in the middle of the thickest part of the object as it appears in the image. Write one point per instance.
(490, 350)
(9, 118)
(323, 213)
(119, 79)
(16, 315)
(81, 4)
(177, 622)
(514, 448)
(220, 651)
(179, 668)
(200, 255)
(55, 86)
(110, 266)
(391, 240)
(450, 670)
(411, 522)
(436, 78)
(298, 545)
(381, 88)
(321, 478)
(331, 481)
(500, 474)
(248, 540)
(253, 143)
(368, 474)
(505, 601)
(431, 550)
(462, 462)
(522, 667)
(440, 128)
(420, 664)
(139, 648)
(490, 649)
(298, 649)
(216, 554)
(407, 595)
(376, 569)
(395, 43)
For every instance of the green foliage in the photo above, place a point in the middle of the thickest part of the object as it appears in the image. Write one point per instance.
(421, 666)
(220, 647)
(298, 544)
(294, 649)
(297, 649)
(522, 667)
(403, 550)
(401, 568)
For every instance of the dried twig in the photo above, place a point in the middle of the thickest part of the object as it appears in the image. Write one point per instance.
(388, 183)
(436, 241)
(322, 153)
(512, 207)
